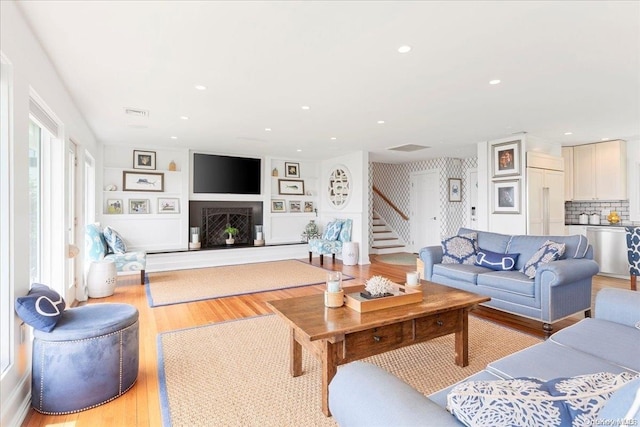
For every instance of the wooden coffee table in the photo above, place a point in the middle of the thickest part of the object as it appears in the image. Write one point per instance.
(341, 335)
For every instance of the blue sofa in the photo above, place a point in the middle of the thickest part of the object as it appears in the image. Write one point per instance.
(362, 394)
(559, 289)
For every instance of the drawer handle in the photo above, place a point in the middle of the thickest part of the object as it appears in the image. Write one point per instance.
(440, 322)
(376, 338)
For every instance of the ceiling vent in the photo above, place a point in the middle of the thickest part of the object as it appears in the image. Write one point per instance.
(136, 112)
(407, 148)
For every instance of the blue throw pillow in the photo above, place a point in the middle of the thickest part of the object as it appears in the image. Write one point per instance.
(555, 403)
(460, 249)
(41, 308)
(114, 241)
(496, 261)
(549, 251)
(622, 404)
(332, 231)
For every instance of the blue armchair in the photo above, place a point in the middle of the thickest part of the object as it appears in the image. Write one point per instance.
(335, 234)
(96, 249)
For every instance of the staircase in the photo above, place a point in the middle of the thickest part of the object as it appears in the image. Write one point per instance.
(385, 240)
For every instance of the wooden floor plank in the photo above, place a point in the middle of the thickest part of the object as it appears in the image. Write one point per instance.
(141, 405)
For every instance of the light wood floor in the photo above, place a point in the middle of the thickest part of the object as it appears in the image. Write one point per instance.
(140, 406)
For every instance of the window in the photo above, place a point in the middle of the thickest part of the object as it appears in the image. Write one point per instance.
(6, 300)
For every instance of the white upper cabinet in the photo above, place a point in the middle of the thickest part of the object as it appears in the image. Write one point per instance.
(567, 155)
(600, 171)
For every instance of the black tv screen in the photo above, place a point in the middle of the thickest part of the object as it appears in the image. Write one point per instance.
(226, 174)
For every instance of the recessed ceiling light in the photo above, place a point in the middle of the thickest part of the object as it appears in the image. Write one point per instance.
(200, 87)
(173, 137)
(494, 82)
(299, 150)
(380, 122)
(184, 118)
(267, 129)
(568, 133)
(333, 138)
(605, 139)
(305, 107)
(404, 49)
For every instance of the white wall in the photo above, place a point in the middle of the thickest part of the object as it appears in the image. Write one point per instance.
(31, 69)
(633, 178)
(357, 206)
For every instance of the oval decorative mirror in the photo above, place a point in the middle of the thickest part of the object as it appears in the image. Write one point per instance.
(339, 186)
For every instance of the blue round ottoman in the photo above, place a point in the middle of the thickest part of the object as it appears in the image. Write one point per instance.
(90, 358)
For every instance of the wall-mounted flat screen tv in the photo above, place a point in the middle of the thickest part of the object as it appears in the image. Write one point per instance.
(226, 174)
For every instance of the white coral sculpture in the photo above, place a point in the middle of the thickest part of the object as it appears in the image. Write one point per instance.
(378, 285)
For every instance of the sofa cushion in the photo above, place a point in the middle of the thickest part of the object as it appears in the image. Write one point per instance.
(617, 343)
(494, 242)
(95, 247)
(41, 308)
(575, 246)
(508, 281)
(345, 231)
(332, 230)
(463, 272)
(558, 402)
(549, 251)
(460, 249)
(114, 241)
(624, 403)
(496, 261)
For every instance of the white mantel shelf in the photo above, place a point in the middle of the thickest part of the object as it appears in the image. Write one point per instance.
(182, 260)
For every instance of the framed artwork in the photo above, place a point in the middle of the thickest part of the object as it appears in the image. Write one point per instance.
(138, 206)
(505, 158)
(295, 206)
(144, 159)
(114, 206)
(506, 196)
(455, 189)
(292, 170)
(142, 181)
(278, 206)
(308, 206)
(291, 186)
(339, 186)
(168, 205)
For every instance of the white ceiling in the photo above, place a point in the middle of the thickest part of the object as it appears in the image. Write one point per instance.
(565, 66)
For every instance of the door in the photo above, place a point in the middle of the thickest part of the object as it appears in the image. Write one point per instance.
(425, 209)
(72, 220)
(472, 199)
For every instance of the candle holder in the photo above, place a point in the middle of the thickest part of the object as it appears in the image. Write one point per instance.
(259, 240)
(334, 295)
(413, 279)
(194, 234)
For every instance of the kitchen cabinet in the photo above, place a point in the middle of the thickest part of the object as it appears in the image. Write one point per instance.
(567, 155)
(600, 171)
(545, 195)
(576, 229)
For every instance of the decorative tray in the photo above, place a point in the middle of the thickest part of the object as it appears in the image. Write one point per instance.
(401, 296)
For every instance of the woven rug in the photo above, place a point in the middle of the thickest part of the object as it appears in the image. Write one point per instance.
(175, 287)
(236, 373)
(401, 258)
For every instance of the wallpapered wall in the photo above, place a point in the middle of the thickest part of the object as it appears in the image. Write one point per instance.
(393, 180)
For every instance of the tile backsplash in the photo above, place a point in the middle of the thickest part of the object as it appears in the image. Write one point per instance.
(573, 209)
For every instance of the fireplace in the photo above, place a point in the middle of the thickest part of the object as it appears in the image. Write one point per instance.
(213, 217)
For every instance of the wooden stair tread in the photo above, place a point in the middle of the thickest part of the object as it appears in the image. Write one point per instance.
(387, 246)
(385, 238)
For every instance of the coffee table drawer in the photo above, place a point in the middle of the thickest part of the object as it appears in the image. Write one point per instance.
(377, 340)
(437, 325)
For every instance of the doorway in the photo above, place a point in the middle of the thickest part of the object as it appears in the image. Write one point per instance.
(425, 209)
(471, 207)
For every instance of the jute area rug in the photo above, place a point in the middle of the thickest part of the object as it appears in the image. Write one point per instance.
(174, 287)
(236, 373)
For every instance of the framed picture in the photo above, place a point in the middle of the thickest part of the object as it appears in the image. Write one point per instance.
(292, 170)
(144, 159)
(142, 181)
(114, 206)
(168, 205)
(455, 189)
(294, 206)
(506, 158)
(308, 206)
(278, 206)
(506, 196)
(138, 206)
(291, 186)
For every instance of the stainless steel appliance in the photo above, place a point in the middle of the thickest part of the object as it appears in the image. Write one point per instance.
(610, 250)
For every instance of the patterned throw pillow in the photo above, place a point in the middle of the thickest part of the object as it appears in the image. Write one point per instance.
(114, 241)
(41, 308)
(460, 249)
(332, 231)
(496, 261)
(558, 402)
(549, 251)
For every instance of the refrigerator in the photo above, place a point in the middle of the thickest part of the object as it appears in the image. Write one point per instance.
(545, 195)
